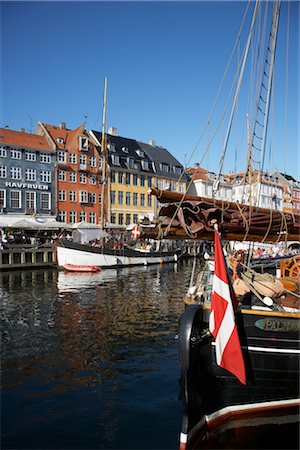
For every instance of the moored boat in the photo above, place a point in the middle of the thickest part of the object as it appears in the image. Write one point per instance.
(81, 268)
(80, 254)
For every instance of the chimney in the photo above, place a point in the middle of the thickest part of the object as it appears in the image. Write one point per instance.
(22, 130)
(113, 131)
(152, 143)
(62, 125)
(197, 165)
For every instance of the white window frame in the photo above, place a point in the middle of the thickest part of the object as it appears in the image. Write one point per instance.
(15, 173)
(83, 196)
(45, 198)
(61, 175)
(15, 154)
(72, 177)
(3, 191)
(3, 152)
(3, 172)
(30, 155)
(45, 158)
(14, 191)
(30, 174)
(45, 176)
(83, 143)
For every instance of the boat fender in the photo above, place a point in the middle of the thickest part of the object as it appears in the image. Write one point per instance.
(268, 301)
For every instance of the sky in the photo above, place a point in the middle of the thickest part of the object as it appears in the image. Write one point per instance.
(164, 62)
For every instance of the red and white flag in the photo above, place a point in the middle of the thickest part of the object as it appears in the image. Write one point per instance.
(222, 321)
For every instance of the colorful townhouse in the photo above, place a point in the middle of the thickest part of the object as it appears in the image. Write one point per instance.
(133, 168)
(27, 176)
(78, 173)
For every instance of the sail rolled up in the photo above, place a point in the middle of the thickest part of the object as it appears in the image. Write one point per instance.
(191, 217)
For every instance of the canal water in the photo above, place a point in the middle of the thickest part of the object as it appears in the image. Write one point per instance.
(90, 361)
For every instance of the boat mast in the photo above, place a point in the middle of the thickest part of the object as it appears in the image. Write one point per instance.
(104, 192)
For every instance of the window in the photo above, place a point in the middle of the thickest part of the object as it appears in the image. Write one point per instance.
(113, 218)
(130, 163)
(15, 154)
(92, 217)
(113, 176)
(92, 179)
(46, 176)
(62, 216)
(128, 219)
(83, 143)
(45, 158)
(30, 175)
(120, 198)
(120, 177)
(111, 147)
(15, 199)
(140, 153)
(2, 198)
(142, 180)
(177, 170)
(45, 200)
(121, 219)
(135, 218)
(113, 197)
(100, 164)
(127, 178)
(72, 177)
(61, 156)
(82, 160)
(83, 196)
(82, 216)
(115, 160)
(30, 201)
(135, 180)
(149, 201)
(3, 152)
(82, 178)
(135, 199)
(92, 197)
(125, 149)
(142, 199)
(30, 156)
(15, 173)
(59, 140)
(160, 183)
(93, 161)
(72, 158)
(145, 164)
(164, 167)
(128, 198)
(72, 216)
(72, 196)
(3, 172)
(61, 195)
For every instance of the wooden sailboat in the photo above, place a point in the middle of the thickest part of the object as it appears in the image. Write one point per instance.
(268, 329)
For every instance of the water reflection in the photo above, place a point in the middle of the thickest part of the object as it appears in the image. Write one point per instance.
(97, 348)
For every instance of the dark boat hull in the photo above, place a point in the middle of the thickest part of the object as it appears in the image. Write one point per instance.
(270, 344)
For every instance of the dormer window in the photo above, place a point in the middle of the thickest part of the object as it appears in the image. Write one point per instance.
(111, 147)
(140, 153)
(145, 164)
(164, 167)
(60, 140)
(177, 170)
(83, 143)
(130, 163)
(125, 150)
(115, 160)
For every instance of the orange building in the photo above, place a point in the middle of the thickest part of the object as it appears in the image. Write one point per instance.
(78, 170)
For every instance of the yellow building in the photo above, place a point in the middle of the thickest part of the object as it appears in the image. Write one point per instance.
(134, 167)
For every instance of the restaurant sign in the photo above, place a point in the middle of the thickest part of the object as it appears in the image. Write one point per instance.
(41, 187)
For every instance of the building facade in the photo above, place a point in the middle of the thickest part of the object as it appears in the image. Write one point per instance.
(27, 174)
(133, 168)
(78, 173)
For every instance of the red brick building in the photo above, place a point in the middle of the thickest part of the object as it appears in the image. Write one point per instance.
(78, 173)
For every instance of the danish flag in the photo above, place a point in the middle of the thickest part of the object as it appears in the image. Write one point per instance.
(136, 232)
(222, 321)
